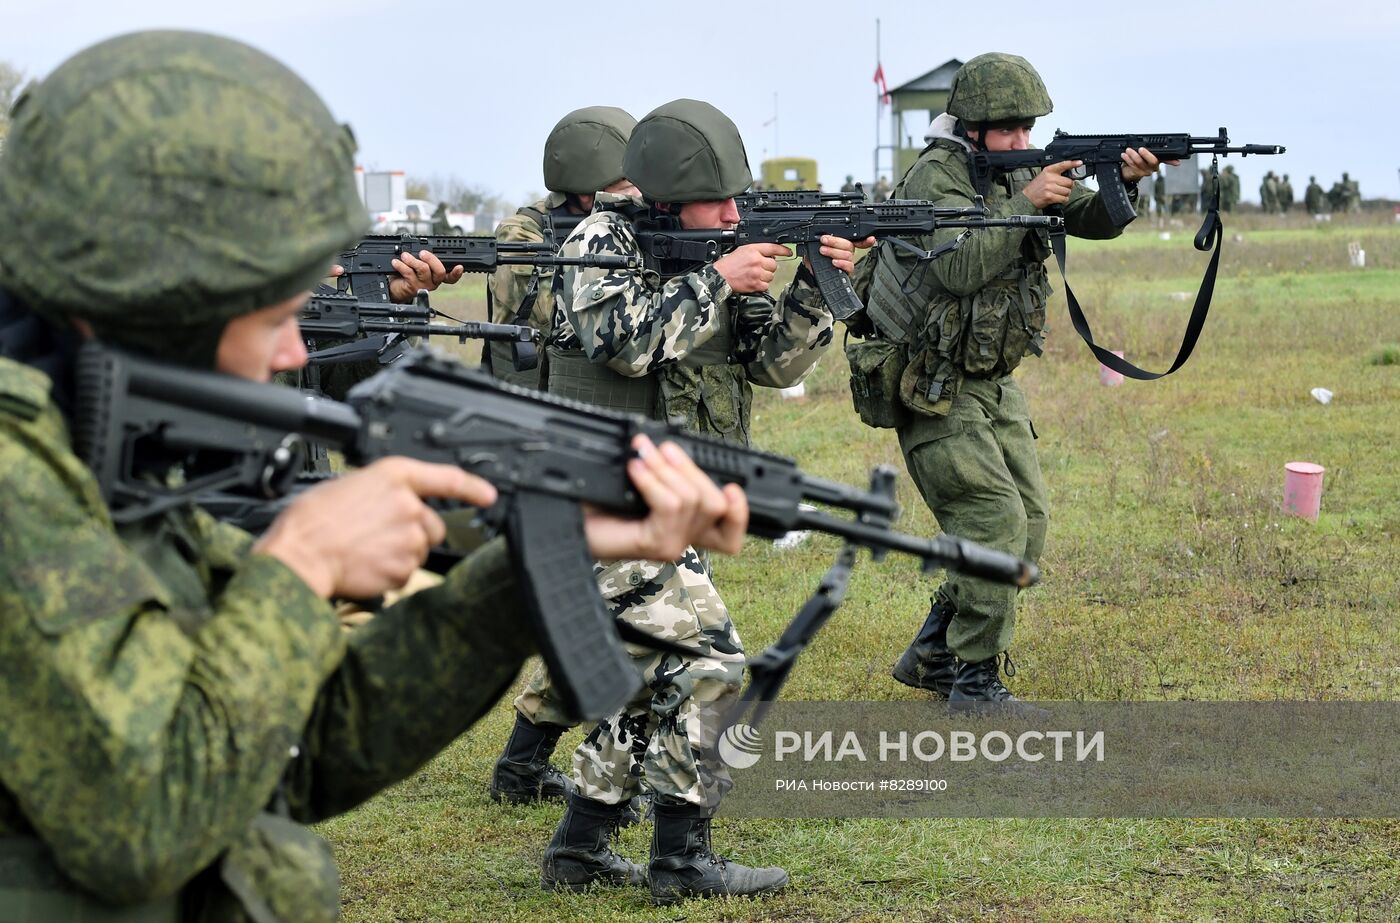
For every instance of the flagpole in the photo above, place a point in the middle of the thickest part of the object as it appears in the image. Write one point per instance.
(875, 173)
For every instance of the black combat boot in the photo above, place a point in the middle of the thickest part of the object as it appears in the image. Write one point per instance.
(978, 687)
(524, 773)
(928, 663)
(579, 854)
(683, 865)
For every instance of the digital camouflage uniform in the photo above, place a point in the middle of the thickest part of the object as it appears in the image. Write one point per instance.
(682, 346)
(963, 423)
(177, 707)
(582, 155)
(671, 340)
(971, 451)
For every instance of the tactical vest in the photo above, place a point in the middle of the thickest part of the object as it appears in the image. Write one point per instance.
(707, 390)
(982, 335)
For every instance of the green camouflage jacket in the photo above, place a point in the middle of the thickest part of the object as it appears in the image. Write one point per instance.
(175, 706)
(941, 175)
(977, 310)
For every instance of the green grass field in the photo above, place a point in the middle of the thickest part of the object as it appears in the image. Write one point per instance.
(1170, 574)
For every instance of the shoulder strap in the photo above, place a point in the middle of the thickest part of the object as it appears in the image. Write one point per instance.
(1210, 235)
(534, 214)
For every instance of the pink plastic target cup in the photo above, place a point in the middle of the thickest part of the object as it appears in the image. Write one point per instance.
(1109, 377)
(1302, 489)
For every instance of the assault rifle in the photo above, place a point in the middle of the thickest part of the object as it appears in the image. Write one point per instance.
(370, 263)
(544, 454)
(368, 266)
(559, 227)
(804, 225)
(1102, 156)
(343, 316)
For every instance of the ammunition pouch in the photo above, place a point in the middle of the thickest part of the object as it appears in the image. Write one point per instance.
(876, 368)
(1004, 321)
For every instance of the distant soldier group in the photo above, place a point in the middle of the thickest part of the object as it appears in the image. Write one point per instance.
(880, 192)
(1276, 196)
(1345, 195)
(1179, 203)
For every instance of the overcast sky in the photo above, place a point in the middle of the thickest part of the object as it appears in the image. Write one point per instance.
(472, 88)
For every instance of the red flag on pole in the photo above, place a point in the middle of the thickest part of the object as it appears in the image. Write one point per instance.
(880, 84)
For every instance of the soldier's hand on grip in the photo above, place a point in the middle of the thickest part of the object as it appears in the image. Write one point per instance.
(751, 268)
(1141, 163)
(365, 533)
(1051, 186)
(422, 271)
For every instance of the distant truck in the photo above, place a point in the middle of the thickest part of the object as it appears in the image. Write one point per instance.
(788, 173)
(391, 211)
(416, 217)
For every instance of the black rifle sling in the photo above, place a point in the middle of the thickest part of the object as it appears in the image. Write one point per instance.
(486, 344)
(1210, 234)
(519, 351)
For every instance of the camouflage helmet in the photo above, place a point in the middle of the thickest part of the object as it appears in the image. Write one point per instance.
(687, 151)
(998, 87)
(583, 153)
(158, 184)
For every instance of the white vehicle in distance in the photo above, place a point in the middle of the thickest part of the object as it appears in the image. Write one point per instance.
(416, 217)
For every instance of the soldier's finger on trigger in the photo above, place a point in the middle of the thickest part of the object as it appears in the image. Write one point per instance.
(433, 525)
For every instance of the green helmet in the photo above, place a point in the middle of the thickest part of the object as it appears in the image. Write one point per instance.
(687, 151)
(998, 87)
(159, 184)
(584, 151)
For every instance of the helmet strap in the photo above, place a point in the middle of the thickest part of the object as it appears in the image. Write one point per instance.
(960, 128)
